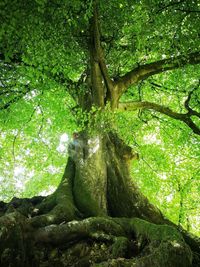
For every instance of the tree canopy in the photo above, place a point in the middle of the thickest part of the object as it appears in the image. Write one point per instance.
(148, 54)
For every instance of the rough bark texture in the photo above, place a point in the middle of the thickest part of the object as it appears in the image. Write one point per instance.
(96, 217)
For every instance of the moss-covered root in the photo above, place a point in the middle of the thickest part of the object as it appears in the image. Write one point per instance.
(13, 250)
(58, 207)
(157, 245)
(95, 227)
(165, 245)
(24, 206)
(59, 214)
(95, 241)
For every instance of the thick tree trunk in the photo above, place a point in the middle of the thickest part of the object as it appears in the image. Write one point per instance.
(102, 184)
(90, 181)
(96, 217)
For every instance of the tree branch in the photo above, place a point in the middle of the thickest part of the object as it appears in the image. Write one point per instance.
(144, 71)
(187, 101)
(184, 117)
(99, 56)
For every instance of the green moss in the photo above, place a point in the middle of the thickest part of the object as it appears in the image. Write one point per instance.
(155, 232)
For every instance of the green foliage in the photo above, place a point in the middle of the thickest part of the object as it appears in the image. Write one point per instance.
(40, 92)
(95, 121)
(31, 144)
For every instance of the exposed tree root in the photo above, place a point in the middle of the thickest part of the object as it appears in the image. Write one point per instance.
(58, 207)
(95, 241)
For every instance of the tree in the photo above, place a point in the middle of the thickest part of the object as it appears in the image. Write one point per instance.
(100, 54)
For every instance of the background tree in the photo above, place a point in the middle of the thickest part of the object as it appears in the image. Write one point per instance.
(99, 60)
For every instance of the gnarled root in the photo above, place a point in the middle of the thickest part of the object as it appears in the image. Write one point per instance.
(95, 241)
(120, 242)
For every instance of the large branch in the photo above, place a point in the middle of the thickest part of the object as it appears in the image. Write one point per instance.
(184, 117)
(99, 50)
(144, 71)
(99, 57)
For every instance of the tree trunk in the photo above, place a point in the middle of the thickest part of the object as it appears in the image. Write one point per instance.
(96, 217)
